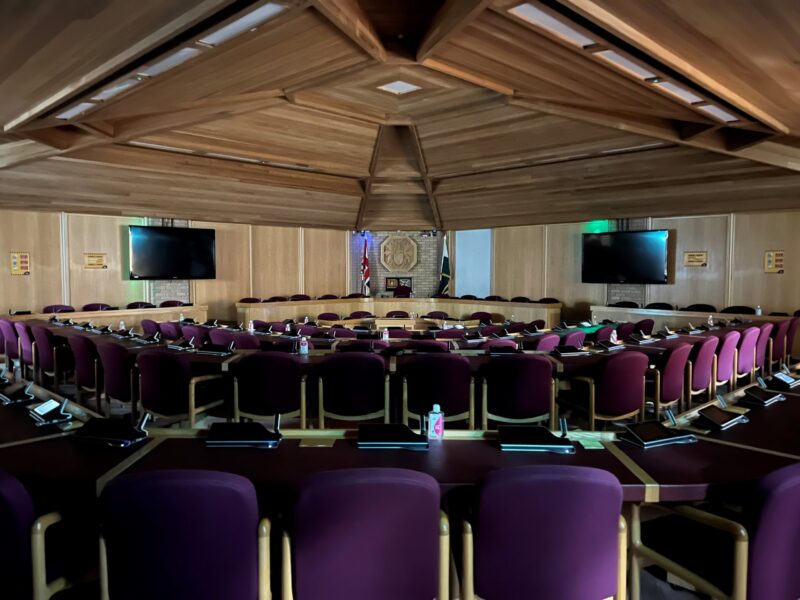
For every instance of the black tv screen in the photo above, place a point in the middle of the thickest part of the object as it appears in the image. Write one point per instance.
(625, 257)
(172, 253)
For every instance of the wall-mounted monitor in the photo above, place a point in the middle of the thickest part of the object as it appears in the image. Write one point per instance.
(626, 257)
(172, 253)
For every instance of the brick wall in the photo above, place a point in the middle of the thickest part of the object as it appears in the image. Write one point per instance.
(616, 292)
(425, 273)
(160, 290)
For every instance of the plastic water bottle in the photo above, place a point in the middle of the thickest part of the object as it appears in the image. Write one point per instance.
(613, 338)
(180, 318)
(710, 321)
(122, 325)
(758, 310)
(436, 423)
(305, 320)
(385, 335)
(303, 345)
(250, 327)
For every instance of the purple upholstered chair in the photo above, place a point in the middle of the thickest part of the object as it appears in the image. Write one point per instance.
(168, 389)
(603, 334)
(353, 386)
(150, 327)
(361, 345)
(490, 330)
(328, 297)
(25, 338)
(170, 304)
(765, 532)
(469, 297)
(624, 330)
(10, 341)
(485, 318)
(58, 308)
(118, 380)
(790, 335)
(309, 330)
(762, 346)
(268, 383)
(298, 297)
(518, 389)
(51, 359)
(397, 314)
(221, 337)
(183, 534)
(17, 515)
(277, 326)
(543, 343)
(779, 343)
(432, 346)
(538, 324)
(389, 522)
(746, 355)
(277, 299)
(660, 306)
(574, 338)
(645, 326)
(624, 304)
(245, 341)
(451, 334)
(499, 346)
(495, 298)
(615, 392)
(360, 314)
(249, 300)
(170, 330)
(701, 369)
(88, 370)
(443, 379)
(139, 304)
(344, 333)
(573, 512)
(328, 316)
(402, 291)
(93, 306)
(400, 334)
(437, 314)
(726, 358)
(520, 299)
(355, 295)
(668, 382)
(704, 308)
(549, 300)
(199, 334)
(440, 296)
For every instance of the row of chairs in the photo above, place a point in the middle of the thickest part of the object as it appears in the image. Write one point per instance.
(734, 310)
(400, 294)
(66, 308)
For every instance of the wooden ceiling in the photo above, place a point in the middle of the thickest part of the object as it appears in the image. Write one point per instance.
(552, 111)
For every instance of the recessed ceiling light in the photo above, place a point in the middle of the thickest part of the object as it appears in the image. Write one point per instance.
(249, 21)
(160, 147)
(678, 91)
(535, 16)
(75, 110)
(170, 62)
(115, 89)
(719, 113)
(399, 87)
(625, 64)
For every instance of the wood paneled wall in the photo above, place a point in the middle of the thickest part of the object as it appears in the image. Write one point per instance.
(521, 268)
(277, 261)
(325, 256)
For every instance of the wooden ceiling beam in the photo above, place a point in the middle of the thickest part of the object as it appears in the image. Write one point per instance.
(367, 183)
(451, 18)
(351, 19)
(426, 179)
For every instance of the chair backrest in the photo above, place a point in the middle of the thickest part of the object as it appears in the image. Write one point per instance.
(516, 327)
(222, 337)
(96, 306)
(327, 316)
(538, 324)
(702, 357)
(438, 314)
(140, 304)
(673, 372)
(246, 341)
(360, 314)
(85, 354)
(747, 347)
(490, 330)
(520, 299)
(170, 303)
(779, 339)
(571, 512)
(549, 300)
(625, 304)
(278, 326)
(352, 345)
(392, 552)
(519, 385)
(397, 314)
(492, 344)
(249, 300)
(574, 338)
(659, 306)
(469, 297)
(740, 310)
(440, 296)
(164, 381)
(150, 327)
(199, 334)
(791, 332)
(328, 297)
(645, 326)
(403, 334)
(483, 317)
(619, 386)
(17, 515)
(774, 541)
(269, 383)
(603, 334)
(353, 383)
(25, 341)
(10, 342)
(764, 334)
(277, 299)
(58, 308)
(402, 291)
(451, 334)
(701, 308)
(343, 333)
(624, 330)
(170, 330)
(495, 298)
(442, 379)
(543, 343)
(45, 346)
(356, 295)
(176, 525)
(297, 297)
(117, 366)
(434, 346)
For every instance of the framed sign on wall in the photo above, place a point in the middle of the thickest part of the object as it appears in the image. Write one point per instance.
(773, 261)
(392, 283)
(695, 258)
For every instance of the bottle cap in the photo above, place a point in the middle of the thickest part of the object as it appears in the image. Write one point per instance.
(437, 408)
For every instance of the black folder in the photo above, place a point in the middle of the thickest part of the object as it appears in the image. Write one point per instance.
(570, 351)
(216, 350)
(718, 419)
(113, 432)
(389, 436)
(532, 438)
(242, 435)
(653, 434)
(755, 396)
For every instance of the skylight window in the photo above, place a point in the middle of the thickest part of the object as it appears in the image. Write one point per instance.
(246, 23)
(535, 16)
(398, 88)
(719, 113)
(115, 89)
(170, 62)
(678, 91)
(74, 111)
(625, 64)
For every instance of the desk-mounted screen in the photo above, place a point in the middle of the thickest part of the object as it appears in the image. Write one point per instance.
(172, 253)
(625, 257)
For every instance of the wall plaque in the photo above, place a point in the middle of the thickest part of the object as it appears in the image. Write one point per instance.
(95, 260)
(398, 253)
(695, 258)
(773, 261)
(20, 263)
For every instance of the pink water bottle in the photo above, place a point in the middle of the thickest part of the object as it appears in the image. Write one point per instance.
(436, 423)
(303, 345)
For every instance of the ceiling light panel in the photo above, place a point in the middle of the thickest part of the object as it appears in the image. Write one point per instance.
(115, 89)
(535, 16)
(678, 91)
(718, 113)
(249, 21)
(398, 88)
(170, 62)
(76, 110)
(625, 64)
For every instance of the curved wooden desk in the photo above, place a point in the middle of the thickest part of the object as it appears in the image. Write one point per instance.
(132, 316)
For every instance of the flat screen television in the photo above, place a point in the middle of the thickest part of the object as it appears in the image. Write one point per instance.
(171, 253)
(625, 257)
